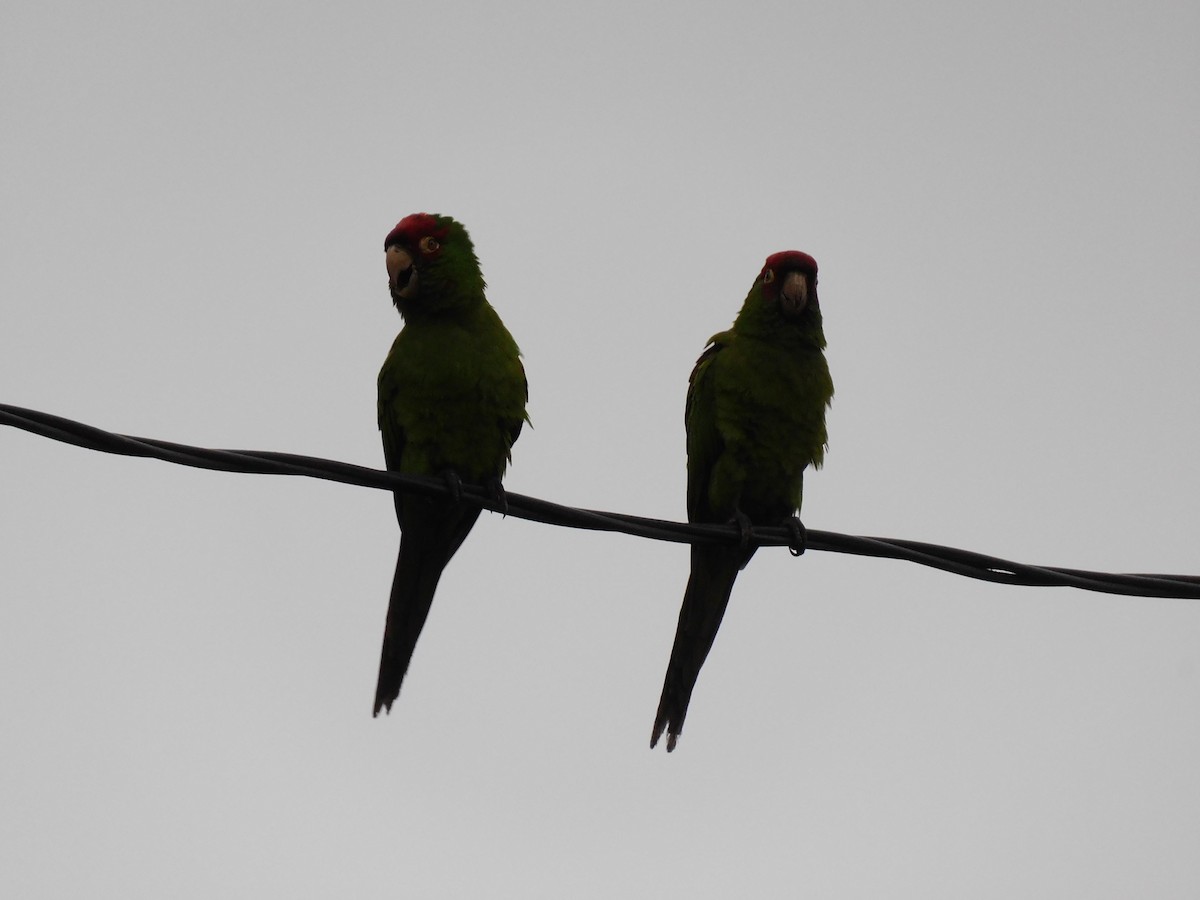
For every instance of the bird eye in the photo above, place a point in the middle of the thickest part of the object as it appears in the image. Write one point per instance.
(768, 276)
(428, 245)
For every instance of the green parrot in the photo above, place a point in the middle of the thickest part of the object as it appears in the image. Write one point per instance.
(452, 396)
(755, 419)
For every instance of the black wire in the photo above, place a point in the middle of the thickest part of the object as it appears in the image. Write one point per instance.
(948, 559)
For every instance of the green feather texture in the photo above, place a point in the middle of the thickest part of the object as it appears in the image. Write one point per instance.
(452, 395)
(755, 420)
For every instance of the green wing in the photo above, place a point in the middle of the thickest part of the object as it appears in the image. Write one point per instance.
(704, 443)
(392, 432)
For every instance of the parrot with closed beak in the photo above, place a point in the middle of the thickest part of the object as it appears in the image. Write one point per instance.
(755, 420)
(452, 395)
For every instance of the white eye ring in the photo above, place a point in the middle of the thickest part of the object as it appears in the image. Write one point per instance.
(768, 276)
(428, 245)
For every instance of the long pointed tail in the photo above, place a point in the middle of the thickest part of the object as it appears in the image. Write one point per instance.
(431, 536)
(714, 570)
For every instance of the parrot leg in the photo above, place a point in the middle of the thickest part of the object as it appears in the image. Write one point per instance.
(496, 491)
(799, 535)
(453, 485)
(742, 521)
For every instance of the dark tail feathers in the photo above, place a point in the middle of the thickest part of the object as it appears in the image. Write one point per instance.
(714, 570)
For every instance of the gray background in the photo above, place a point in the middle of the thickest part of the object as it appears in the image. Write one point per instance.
(1005, 203)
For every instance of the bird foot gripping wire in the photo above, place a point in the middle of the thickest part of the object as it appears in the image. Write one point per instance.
(453, 484)
(745, 526)
(797, 536)
(498, 496)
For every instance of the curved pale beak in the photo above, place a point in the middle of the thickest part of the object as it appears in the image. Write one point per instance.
(793, 293)
(402, 277)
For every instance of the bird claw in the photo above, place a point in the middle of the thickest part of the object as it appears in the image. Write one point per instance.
(453, 484)
(498, 496)
(798, 536)
(742, 521)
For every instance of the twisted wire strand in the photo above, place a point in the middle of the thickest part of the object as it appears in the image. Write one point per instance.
(949, 559)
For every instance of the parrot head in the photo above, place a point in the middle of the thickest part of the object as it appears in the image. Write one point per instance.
(782, 302)
(431, 265)
(789, 281)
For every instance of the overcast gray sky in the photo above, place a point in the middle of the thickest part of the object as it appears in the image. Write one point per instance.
(1005, 203)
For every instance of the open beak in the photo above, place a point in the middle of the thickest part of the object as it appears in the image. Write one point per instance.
(402, 277)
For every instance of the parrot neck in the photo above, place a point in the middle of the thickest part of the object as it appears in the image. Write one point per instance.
(762, 319)
(446, 306)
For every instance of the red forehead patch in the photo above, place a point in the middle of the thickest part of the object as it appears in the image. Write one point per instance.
(411, 229)
(791, 259)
